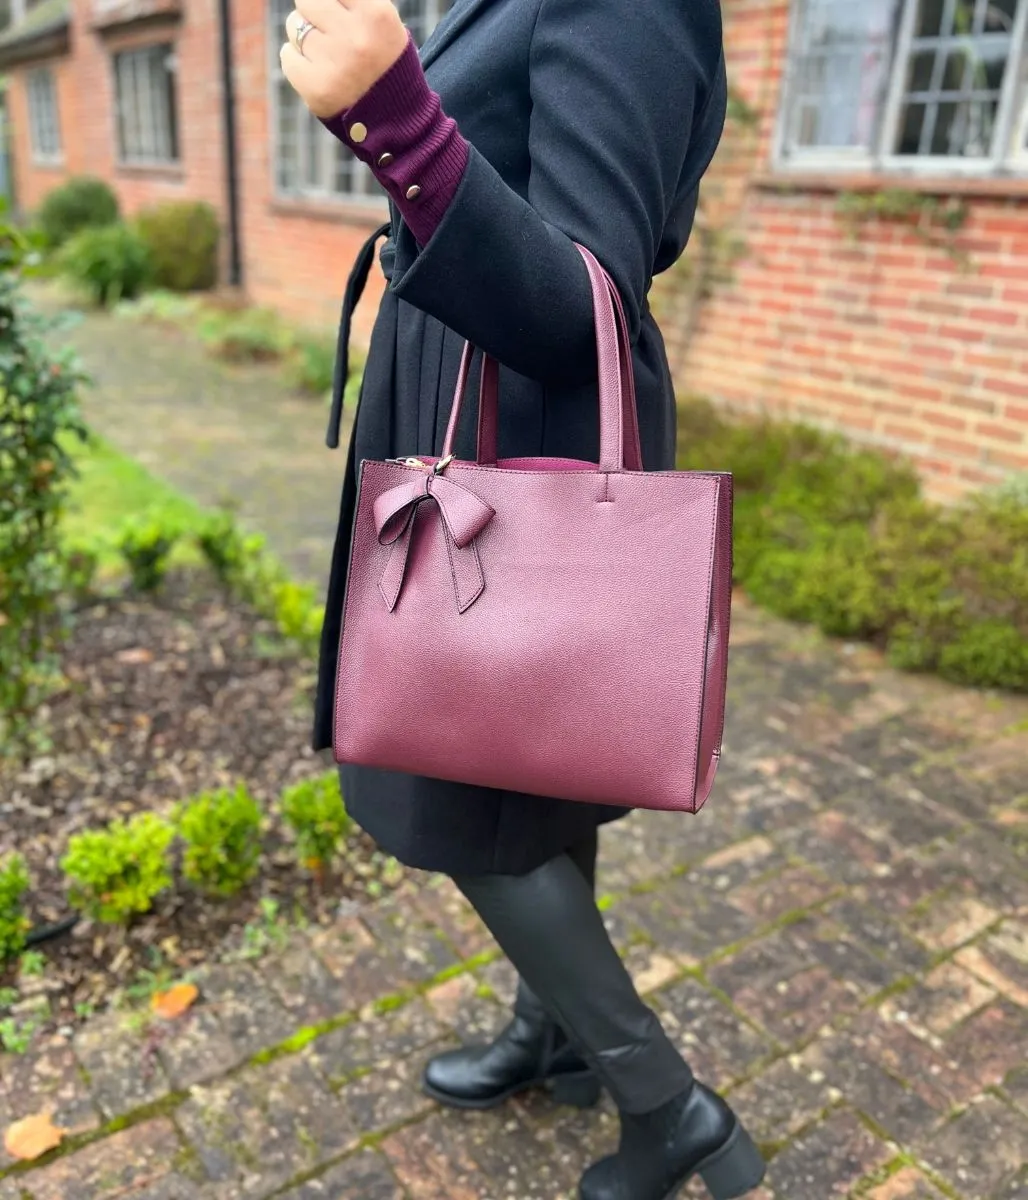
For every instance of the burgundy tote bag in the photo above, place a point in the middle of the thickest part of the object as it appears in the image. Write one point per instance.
(541, 625)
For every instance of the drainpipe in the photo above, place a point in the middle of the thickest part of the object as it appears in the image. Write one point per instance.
(228, 92)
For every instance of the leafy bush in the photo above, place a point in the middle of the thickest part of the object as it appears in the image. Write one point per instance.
(39, 416)
(119, 871)
(242, 562)
(14, 883)
(842, 539)
(110, 264)
(146, 544)
(315, 812)
(79, 566)
(81, 203)
(182, 238)
(297, 614)
(244, 335)
(225, 547)
(311, 364)
(221, 831)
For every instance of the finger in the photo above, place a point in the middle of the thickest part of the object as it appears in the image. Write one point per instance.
(308, 42)
(301, 74)
(327, 15)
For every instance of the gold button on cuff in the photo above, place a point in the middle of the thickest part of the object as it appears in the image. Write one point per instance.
(413, 192)
(358, 132)
(385, 159)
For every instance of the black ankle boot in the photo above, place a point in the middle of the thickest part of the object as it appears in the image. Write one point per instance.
(527, 1054)
(696, 1133)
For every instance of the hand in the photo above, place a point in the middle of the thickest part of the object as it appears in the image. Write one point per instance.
(353, 43)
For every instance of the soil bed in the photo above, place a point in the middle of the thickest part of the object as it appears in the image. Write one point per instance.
(168, 696)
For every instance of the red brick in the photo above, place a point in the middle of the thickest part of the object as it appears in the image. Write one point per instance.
(1018, 388)
(1002, 433)
(960, 333)
(1008, 459)
(996, 316)
(944, 419)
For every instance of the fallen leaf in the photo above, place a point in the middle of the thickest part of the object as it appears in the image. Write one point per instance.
(32, 1137)
(175, 1001)
(138, 654)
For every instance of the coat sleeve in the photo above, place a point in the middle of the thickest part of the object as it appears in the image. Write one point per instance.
(617, 90)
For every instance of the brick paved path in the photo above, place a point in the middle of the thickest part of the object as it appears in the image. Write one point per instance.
(840, 940)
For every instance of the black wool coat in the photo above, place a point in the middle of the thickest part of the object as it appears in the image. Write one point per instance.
(589, 121)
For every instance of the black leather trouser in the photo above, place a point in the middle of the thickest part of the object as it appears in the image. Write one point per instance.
(548, 925)
(583, 854)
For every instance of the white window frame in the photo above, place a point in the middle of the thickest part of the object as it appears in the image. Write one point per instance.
(44, 116)
(362, 191)
(1008, 155)
(1021, 134)
(138, 100)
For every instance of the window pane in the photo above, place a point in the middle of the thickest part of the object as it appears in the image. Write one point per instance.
(145, 92)
(44, 127)
(930, 18)
(839, 65)
(954, 76)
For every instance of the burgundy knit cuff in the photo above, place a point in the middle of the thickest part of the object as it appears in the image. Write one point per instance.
(415, 151)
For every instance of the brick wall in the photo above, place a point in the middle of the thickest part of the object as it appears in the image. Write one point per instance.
(884, 337)
(297, 255)
(775, 308)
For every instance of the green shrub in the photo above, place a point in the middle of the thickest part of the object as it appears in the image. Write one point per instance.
(224, 545)
(242, 562)
(311, 363)
(110, 264)
(315, 812)
(221, 831)
(182, 238)
(39, 420)
(119, 871)
(297, 613)
(81, 203)
(246, 335)
(146, 544)
(80, 565)
(841, 538)
(14, 883)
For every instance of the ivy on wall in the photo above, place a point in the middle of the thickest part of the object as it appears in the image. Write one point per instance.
(933, 220)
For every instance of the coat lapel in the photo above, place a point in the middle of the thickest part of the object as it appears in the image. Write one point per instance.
(460, 16)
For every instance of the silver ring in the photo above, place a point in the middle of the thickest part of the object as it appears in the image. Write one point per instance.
(302, 30)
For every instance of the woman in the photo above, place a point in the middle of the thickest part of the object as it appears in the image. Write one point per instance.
(526, 126)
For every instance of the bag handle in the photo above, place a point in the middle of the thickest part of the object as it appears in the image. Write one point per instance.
(619, 421)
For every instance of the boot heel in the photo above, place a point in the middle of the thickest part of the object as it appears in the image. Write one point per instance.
(578, 1091)
(737, 1169)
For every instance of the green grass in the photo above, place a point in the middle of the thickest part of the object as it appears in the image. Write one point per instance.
(110, 488)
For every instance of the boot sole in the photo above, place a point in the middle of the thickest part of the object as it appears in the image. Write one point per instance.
(577, 1091)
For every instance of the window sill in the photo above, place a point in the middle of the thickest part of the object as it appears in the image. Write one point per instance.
(984, 186)
(48, 164)
(171, 171)
(363, 213)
